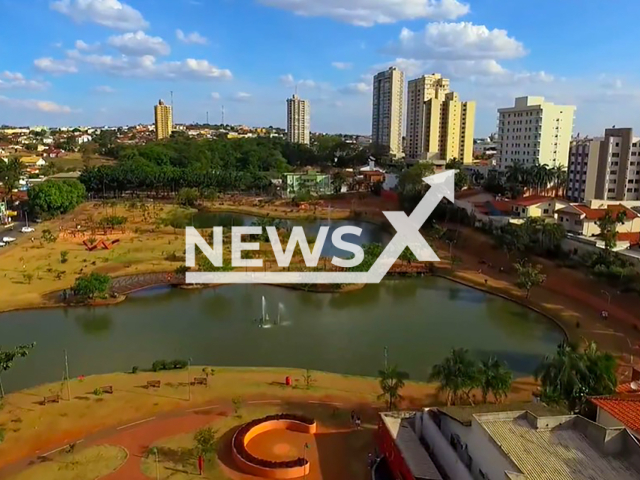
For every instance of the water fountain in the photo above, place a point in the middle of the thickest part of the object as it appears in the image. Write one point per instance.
(264, 319)
(280, 313)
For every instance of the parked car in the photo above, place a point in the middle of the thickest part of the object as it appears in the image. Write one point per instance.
(28, 229)
(2, 244)
(8, 239)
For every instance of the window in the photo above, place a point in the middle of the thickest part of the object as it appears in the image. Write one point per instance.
(615, 155)
(545, 211)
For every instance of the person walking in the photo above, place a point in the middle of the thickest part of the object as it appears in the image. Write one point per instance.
(353, 418)
(200, 465)
(358, 422)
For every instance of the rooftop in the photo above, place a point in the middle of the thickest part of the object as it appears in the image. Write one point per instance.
(557, 448)
(400, 427)
(598, 213)
(531, 200)
(465, 413)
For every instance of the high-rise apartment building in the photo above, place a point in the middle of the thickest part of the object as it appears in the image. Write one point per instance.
(298, 116)
(164, 120)
(606, 168)
(534, 132)
(388, 98)
(439, 125)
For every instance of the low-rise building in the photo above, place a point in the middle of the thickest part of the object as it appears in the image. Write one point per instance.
(581, 220)
(621, 409)
(33, 162)
(307, 182)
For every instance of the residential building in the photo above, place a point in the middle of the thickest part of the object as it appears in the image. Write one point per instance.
(33, 162)
(307, 182)
(583, 169)
(439, 125)
(581, 219)
(607, 168)
(621, 409)
(534, 132)
(298, 118)
(388, 99)
(164, 120)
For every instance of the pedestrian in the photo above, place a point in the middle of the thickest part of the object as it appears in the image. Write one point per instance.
(200, 464)
(353, 417)
(370, 460)
(358, 423)
(486, 281)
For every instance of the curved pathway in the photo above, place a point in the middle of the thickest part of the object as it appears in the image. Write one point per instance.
(136, 437)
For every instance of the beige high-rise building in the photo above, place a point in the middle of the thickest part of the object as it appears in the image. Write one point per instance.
(298, 116)
(439, 125)
(386, 121)
(534, 132)
(605, 168)
(164, 120)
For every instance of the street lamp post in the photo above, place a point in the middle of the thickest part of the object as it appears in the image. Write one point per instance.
(189, 377)
(608, 296)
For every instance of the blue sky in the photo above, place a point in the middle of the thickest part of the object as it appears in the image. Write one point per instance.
(96, 62)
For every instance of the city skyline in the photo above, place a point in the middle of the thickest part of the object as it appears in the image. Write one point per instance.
(102, 62)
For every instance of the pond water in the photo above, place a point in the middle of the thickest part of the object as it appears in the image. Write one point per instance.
(419, 320)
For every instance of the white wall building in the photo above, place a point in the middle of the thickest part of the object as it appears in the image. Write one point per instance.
(534, 132)
(388, 100)
(298, 120)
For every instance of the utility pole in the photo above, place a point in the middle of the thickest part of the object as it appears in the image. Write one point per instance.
(386, 357)
(189, 377)
(66, 369)
(222, 115)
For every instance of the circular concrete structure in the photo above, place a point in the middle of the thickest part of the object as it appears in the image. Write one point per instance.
(263, 467)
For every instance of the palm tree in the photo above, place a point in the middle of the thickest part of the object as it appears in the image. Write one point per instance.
(601, 367)
(495, 378)
(457, 374)
(391, 382)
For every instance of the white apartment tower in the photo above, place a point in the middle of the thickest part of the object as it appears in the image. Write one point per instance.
(606, 168)
(534, 132)
(298, 116)
(388, 98)
(439, 125)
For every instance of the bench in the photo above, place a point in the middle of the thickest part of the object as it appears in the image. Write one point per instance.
(153, 384)
(107, 389)
(51, 399)
(200, 381)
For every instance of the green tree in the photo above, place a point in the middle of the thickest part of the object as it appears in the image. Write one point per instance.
(92, 285)
(496, 378)
(608, 225)
(411, 186)
(529, 276)
(10, 174)
(47, 236)
(188, 197)
(570, 376)
(511, 238)
(391, 382)
(408, 256)
(51, 198)
(461, 177)
(7, 358)
(206, 441)
(64, 256)
(338, 179)
(457, 375)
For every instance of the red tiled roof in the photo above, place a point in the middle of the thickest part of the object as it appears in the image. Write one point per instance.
(531, 200)
(596, 214)
(469, 193)
(625, 408)
(624, 388)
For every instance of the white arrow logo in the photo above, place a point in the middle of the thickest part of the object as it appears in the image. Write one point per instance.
(408, 235)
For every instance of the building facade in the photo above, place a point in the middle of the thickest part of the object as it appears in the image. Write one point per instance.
(298, 120)
(388, 99)
(439, 125)
(310, 182)
(164, 120)
(606, 168)
(534, 132)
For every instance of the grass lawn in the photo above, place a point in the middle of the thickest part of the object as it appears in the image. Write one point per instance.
(89, 464)
(336, 449)
(74, 160)
(24, 419)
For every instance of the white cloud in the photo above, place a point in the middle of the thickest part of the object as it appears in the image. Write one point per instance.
(147, 67)
(289, 81)
(108, 13)
(215, 95)
(358, 88)
(242, 97)
(456, 41)
(85, 47)
(39, 105)
(342, 65)
(139, 44)
(15, 80)
(103, 89)
(193, 37)
(50, 65)
(366, 13)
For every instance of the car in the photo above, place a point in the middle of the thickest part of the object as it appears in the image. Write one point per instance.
(27, 229)
(2, 244)
(8, 239)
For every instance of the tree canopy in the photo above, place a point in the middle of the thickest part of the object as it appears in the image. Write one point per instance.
(92, 285)
(51, 198)
(7, 358)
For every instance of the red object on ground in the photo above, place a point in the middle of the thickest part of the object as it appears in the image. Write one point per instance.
(287, 381)
(200, 464)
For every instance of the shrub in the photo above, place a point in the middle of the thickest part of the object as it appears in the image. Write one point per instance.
(134, 369)
(178, 364)
(159, 365)
(64, 256)
(97, 392)
(2, 433)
